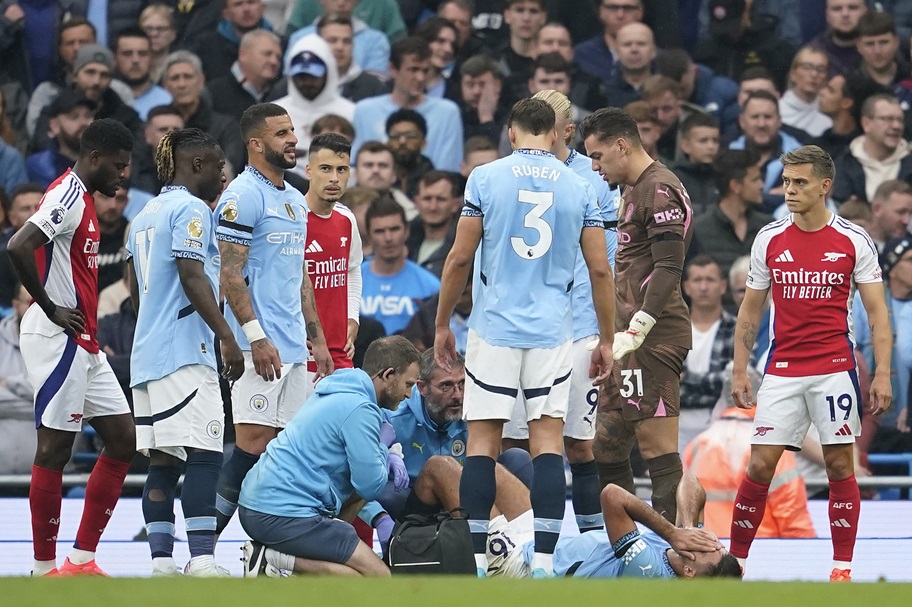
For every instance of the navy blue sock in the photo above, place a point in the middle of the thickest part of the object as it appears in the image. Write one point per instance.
(477, 490)
(519, 463)
(198, 500)
(229, 486)
(158, 508)
(549, 492)
(586, 504)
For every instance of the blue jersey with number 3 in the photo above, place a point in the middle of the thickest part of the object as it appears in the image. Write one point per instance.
(170, 334)
(533, 209)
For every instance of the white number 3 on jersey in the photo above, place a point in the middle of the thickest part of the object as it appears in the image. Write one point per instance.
(533, 220)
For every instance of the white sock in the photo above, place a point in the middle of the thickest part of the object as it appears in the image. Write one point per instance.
(202, 561)
(42, 567)
(81, 557)
(481, 562)
(163, 563)
(842, 564)
(543, 561)
(280, 560)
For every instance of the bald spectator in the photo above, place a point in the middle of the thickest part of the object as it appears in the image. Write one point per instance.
(251, 78)
(218, 49)
(739, 38)
(761, 125)
(800, 105)
(636, 51)
(355, 84)
(879, 155)
(700, 86)
(891, 209)
(183, 78)
(838, 41)
(598, 56)
(878, 46)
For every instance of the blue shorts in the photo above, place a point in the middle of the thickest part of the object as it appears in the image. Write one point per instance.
(317, 538)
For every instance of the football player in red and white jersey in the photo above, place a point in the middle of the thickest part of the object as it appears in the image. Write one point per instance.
(810, 263)
(55, 255)
(333, 253)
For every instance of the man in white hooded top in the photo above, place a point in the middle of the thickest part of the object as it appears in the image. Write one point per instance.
(313, 90)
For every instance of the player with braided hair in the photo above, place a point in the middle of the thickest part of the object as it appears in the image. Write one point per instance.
(177, 401)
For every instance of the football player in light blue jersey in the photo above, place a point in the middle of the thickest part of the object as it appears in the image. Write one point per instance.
(621, 549)
(316, 474)
(176, 395)
(262, 223)
(579, 428)
(526, 216)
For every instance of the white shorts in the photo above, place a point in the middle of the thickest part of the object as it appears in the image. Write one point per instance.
(497, 375)
(505, 545)
(183, 409)
(269, 403)
(71, 385)
(580, 422)
(786, 406)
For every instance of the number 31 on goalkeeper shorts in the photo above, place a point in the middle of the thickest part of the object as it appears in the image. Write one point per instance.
(631, 381)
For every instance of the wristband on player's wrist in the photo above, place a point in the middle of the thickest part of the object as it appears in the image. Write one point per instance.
(253, 331)
(642, 323)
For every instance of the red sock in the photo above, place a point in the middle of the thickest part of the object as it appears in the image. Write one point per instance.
(45, 495)
(747, 514)
(102, 493)
(845, 506)
(364, 531)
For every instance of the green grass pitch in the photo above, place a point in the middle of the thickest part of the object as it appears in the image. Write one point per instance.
(442, 592)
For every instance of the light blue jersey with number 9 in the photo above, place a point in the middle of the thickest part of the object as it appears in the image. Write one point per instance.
(533, 209)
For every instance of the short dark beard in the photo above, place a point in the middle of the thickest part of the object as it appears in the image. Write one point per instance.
(277, 159)
(134, 83)
(850, 36)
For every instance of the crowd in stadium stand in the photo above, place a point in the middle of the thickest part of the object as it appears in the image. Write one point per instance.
(719, 90)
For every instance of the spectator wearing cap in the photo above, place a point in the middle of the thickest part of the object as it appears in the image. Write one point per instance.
(880, 154)
(313, 90)
(355, 83)
(93, 71)
(406, 132)
(218, 49)
(739, 38)
(68, 116)
(896, 263)
(183, 78)
(409, 64)
(371, 47)
(253, 76)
